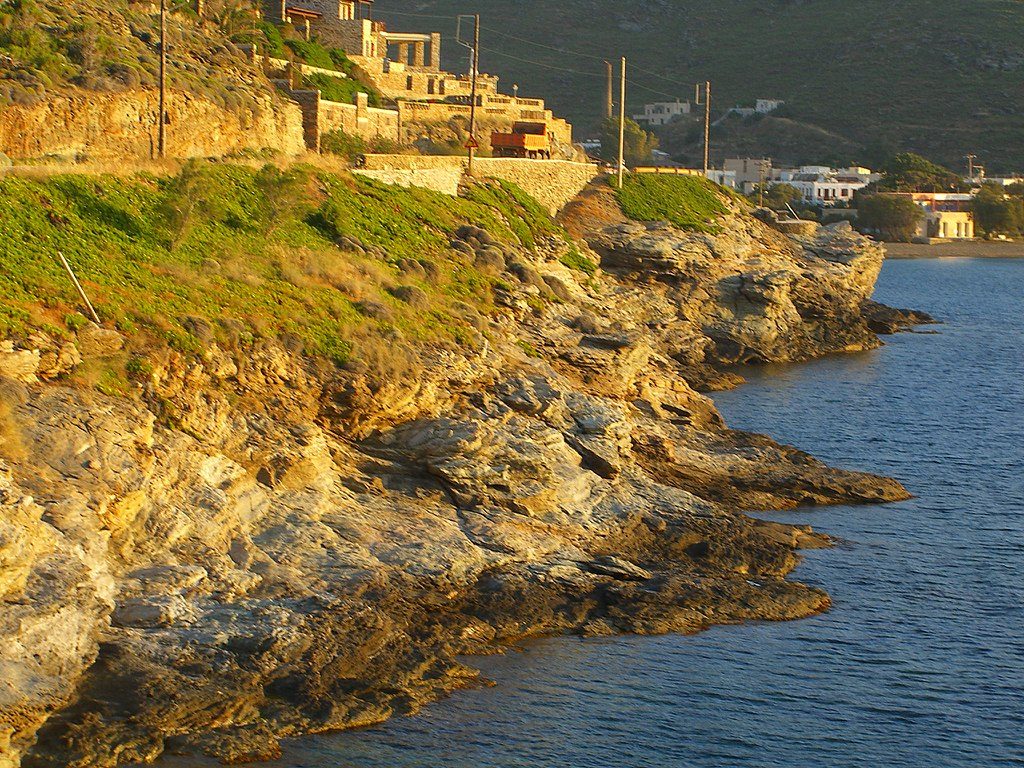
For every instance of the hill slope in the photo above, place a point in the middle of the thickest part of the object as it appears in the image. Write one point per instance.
(939, 78)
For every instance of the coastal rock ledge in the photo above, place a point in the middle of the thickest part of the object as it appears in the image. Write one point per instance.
(301, 549)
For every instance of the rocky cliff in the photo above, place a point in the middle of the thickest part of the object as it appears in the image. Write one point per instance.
(255, 545)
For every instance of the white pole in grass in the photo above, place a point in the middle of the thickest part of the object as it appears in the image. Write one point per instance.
(78, 286)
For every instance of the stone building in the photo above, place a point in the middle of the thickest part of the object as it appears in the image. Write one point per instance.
(405, 67)
(662, 112)
(348, 24)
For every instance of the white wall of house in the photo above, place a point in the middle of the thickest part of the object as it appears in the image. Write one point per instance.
(663, 112)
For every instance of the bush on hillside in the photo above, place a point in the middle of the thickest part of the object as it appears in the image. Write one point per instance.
(895, 218)
(907, 172)
(351, 147)
(688, 202)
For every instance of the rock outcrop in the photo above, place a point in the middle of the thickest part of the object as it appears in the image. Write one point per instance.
(253, 546)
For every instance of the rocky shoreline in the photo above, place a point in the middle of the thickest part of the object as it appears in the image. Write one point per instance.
(256, 546)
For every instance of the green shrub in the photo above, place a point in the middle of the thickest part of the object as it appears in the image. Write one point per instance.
(574, 259)
(688, 202)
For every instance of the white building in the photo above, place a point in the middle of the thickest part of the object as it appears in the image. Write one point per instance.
(764, 106)
(821, 185)
(722, 177)
(663, 112)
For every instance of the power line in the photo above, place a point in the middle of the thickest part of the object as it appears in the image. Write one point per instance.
(541, 63)
(580, 54)
(556, 49)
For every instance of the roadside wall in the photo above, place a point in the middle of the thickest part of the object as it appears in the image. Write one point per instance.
(443, 180)
(124, 125)
(552, 182)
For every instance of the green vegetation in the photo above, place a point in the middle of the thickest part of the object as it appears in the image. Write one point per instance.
(893, 217)
(230, 252)
(49, 45)
(939, 78)
(998, 213)
(908, 172)
(778, 196)
(342, 89)
(637, 143)
(574, 259)
(350, 147)
(688, 202)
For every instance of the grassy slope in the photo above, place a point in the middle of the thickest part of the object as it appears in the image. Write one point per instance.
(942, 78)
(688, 202)
(50, 45)
(251, 253)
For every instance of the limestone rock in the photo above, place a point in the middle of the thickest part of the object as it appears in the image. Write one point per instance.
(308, 549)
(94, 341)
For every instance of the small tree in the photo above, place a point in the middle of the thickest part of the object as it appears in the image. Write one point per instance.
(893, 217)
(995, 212)
(638, 145)
(778, 196)
(907, 172)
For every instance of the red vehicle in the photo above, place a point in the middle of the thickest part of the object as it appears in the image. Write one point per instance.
(527, 140)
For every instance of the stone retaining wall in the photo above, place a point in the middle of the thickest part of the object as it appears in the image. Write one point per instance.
(443, 180)
(552, 182)
(83, 124)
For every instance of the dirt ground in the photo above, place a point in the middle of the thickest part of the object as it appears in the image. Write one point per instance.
(967, 248)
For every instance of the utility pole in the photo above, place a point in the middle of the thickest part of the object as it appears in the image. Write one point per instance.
(707, 126)
(760, 184)
(609, 100)
(970, 165)
(474, 63)
(162, 119)
(622, 123)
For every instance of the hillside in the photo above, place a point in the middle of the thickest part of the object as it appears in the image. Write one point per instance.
(941, 79)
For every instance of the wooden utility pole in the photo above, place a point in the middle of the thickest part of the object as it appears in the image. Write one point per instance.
(707, 126)
(162, 119)
(609, 100)
(622, 123)
(475, 59)
(760, 183)
(970, 165)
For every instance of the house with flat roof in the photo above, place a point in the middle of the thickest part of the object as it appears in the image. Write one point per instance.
(662, 112)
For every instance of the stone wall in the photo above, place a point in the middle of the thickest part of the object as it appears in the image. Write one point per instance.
(443, 180)
(84, 124)
(359, 119)
(552, 182)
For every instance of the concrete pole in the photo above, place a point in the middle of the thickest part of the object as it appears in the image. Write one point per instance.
(472, 98)
(622, 123)
(707, 126)
(162, 118)
(609, 102)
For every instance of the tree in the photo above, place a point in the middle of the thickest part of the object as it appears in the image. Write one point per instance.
(1016, 189)
(907, 172)
(639, 144)
(995, 212)
(893, 217)
(778, 196)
